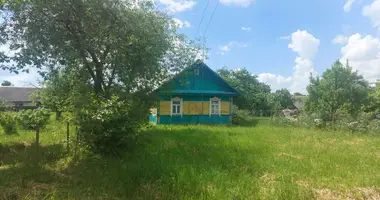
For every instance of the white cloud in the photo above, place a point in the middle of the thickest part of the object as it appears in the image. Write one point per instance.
(363, 54)
(373, 12)
(174, 6)
(275, 81)
(246, 28)
(347, 6)
(181, 24)
(223, 49)
(340, 39)
(305, 44)
(241, 3)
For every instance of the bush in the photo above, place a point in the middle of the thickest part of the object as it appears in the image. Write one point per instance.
(8, 122)
(32, 119)
(110, 126)
(242, 117)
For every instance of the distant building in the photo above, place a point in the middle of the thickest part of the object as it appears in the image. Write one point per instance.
(299, 102)
(18, 97)
(197, 95)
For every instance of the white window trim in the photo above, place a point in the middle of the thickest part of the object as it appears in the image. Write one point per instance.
(180, 106)
(219, 105)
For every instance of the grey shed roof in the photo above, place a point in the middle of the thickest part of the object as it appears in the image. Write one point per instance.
(16, 93)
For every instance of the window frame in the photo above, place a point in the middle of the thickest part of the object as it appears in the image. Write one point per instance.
(179, 104)
(213, 102)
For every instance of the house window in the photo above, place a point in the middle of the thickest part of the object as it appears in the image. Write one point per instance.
(176, 106)
(214, 106)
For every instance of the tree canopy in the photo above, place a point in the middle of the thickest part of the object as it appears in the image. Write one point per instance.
(339, 86)
(6, 83)
(111, 43)
(253, 93)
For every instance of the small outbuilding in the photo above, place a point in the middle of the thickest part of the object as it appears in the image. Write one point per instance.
(197, 95)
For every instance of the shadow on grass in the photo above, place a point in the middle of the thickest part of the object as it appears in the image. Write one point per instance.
(169, 164)
(22, 171)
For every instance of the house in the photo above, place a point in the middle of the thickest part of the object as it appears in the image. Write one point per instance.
(197, 95)
(18, 97)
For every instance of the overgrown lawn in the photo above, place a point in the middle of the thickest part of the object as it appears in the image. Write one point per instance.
(197, 162)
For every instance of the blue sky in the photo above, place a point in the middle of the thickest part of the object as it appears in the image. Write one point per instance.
(280, 41)
(267, 36)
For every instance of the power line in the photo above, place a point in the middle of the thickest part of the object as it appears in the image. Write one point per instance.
(203, 15)
(217, 4)
(204, 34)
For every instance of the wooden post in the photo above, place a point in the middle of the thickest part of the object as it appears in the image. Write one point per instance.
(76, 142)
(68, 135)
(37, 137)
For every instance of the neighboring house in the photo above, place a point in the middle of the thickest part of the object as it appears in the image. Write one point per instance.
(197, 95)
(299, 102)
(18, 97)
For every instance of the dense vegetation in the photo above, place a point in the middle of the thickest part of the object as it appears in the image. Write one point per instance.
(91, 53)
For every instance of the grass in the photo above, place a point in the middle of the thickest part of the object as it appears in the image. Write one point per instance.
(198, 162)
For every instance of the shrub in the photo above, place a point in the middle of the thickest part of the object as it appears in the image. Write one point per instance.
(8, 122)
(242, 117)
(110, 126)
(35, 119)
(32, 119)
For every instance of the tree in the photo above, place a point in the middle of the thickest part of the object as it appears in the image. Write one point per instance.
(254, 94)
(283, 99)
(338, 86)
(112, 43)
(89, 51)
(6, 83)
(35, 119)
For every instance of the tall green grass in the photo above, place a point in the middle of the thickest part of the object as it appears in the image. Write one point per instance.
(197, 162)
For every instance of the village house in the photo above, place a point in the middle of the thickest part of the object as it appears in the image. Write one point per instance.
(18, 97)
(197, 95)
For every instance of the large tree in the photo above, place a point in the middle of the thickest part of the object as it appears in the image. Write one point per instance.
(112, 43)
(338, 86)
(99, 59)
(254, 94)
(282, 99)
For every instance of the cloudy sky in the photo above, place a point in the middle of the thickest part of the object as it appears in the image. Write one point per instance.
(280, 41)
(283, 41)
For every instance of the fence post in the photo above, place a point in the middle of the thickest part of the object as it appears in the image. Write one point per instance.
(68, 135)
(76, 143)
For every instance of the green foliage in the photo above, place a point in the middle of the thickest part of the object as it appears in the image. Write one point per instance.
(110, 126)
(6, 83)
(34, 118)
(339, 87)
(281, 99)
(111, 43)
(242, 117)
(253, 94)
(8, 122)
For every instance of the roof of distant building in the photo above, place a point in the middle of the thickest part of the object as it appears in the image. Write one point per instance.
(10, 93)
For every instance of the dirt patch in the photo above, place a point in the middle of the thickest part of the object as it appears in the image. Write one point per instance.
(355, 142)
(291, 156)
(377, 154)
(353, 194)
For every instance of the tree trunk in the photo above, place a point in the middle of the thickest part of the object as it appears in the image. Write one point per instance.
(58, 115)
(333, 120)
